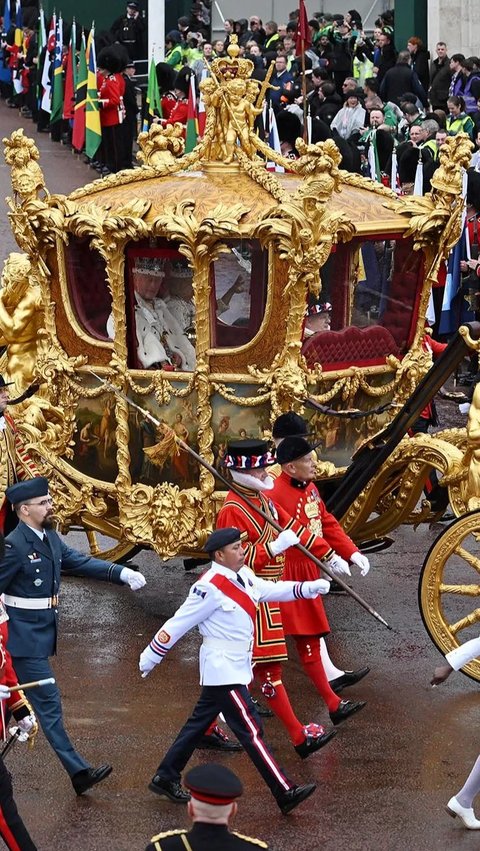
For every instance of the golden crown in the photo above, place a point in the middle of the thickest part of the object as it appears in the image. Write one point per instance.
(232, 68)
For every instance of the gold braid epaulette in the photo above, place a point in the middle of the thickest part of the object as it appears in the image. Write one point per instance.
(258, 842)
(165, 835)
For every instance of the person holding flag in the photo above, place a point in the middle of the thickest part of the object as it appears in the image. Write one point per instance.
(111, 63)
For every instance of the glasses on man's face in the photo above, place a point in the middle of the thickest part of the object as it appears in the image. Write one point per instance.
(43, 502)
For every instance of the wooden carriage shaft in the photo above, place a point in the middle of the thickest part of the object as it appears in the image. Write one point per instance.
(256, 508)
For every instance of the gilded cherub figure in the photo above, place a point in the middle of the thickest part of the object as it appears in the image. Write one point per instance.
(21, 318)
(22, 155)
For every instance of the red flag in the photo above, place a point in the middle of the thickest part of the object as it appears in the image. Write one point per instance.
(304, 39)
(69, 93)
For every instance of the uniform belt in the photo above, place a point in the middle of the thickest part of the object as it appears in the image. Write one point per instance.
(224, 644)
(31, 603)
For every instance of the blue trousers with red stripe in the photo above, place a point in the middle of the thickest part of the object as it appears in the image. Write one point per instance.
(241, 716)
(12, 829)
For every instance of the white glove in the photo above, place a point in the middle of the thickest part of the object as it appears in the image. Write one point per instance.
(28, 723)
(315, 588)
(286, 539)
(4, 692)
(338, 565)
(362, 562)
(148, 660)
(133, 578)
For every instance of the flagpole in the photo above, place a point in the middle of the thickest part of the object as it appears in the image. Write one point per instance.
(304, 94)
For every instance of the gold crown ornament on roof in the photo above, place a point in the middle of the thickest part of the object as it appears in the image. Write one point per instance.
(231, 68)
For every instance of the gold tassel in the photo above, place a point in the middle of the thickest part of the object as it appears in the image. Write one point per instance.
(165, 449)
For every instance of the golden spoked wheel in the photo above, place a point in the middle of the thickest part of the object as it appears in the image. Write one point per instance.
(449, 587)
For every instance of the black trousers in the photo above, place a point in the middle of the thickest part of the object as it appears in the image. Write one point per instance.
(236, 705)
(12, 829)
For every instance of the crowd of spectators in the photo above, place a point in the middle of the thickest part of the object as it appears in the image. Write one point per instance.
(354, 87)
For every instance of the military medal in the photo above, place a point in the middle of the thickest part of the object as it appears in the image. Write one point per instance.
(311, 509)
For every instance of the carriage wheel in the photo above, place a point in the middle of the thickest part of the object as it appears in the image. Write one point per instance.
(449, 587)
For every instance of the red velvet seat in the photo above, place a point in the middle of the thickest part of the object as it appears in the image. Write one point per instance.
(350, 347)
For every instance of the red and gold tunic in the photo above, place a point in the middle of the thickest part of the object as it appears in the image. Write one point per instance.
(15, 463)
(270, 643)
(302, 501)
(269, 637)
(17, 703)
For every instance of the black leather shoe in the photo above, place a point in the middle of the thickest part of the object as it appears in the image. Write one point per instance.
(263, 711)
(345, 709)
(348, 678)
(88, 777)
(314, 743)
(217, 740)
(170, 789)
(294, 796)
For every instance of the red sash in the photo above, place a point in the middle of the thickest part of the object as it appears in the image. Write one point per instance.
(236, 594)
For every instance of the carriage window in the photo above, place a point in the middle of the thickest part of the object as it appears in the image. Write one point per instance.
(239, 290)
(370, 290)
(88, 287)
(161, 309)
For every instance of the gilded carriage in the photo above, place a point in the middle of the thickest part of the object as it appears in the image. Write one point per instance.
(184, 284)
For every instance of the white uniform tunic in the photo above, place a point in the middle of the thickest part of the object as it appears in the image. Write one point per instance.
(464, 654)
(226, 627)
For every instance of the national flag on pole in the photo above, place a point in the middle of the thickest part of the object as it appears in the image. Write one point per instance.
(418, 183)
(452, 296)
(78, 135)
(18, 24)
(70, 77)
(5, 72)
(303, 38)
(41, 42)
(274, 142)
(373, 161)
(153, 104)
(7, 19)
(57, 85)
(202, 115)
(46, 103)
(93, 128)
(192, 121)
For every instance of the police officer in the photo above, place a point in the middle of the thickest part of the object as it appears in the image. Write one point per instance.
(213, 792)
(129, 30)
(35, 556)
(223, 604)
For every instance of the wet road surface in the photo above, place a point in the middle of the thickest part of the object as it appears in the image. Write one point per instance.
(382, 783)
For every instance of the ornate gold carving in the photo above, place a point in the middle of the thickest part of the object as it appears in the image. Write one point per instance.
(163, 516)
(161, 145)
(21, 319)
(300, 220)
